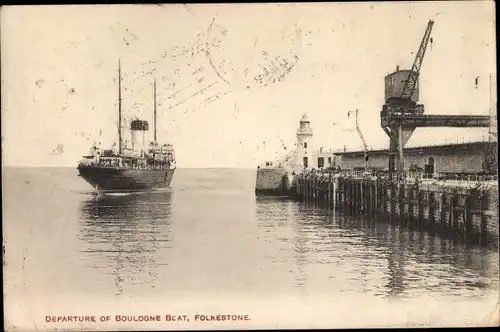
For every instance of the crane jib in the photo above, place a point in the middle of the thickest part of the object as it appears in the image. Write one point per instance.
(411, 81)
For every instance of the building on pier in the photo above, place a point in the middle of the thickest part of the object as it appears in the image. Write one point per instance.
(473, 158)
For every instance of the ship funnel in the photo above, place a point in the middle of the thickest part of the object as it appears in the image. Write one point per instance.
(138, 129)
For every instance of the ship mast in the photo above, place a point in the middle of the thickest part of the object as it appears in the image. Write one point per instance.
(119, 109)
(154, 117)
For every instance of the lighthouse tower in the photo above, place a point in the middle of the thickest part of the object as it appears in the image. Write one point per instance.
(303, 153)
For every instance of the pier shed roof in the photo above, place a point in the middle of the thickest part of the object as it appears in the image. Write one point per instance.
(428, 149)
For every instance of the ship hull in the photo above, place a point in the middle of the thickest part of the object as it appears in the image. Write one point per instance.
(119, 179)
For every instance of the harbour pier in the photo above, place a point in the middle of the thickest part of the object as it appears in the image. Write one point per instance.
(415, 186)
(463, 212)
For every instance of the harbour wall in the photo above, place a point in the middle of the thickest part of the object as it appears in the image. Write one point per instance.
(273, 181)
(465, 213)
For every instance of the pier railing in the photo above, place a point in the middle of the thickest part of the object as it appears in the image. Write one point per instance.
(408, 176)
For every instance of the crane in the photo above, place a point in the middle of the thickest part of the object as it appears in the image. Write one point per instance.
(411, 81)
(402, 106)
(405, 104)
(401, 115)
(365, 146)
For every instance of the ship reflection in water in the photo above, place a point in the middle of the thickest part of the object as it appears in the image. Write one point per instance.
(123, 236)
(378, 258)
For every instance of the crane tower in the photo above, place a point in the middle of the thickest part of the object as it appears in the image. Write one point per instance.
(401, 114)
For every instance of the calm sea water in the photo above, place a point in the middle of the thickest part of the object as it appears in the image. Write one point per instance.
(210, 235)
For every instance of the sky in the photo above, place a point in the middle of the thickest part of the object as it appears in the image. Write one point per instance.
(233, 80)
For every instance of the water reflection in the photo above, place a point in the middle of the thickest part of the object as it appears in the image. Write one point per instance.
(373, 257)
(123, 237)
(300, 251)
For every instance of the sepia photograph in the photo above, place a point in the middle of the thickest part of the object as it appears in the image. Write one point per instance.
(249, 166)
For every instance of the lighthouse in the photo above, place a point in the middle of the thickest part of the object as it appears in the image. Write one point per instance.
(303, 153)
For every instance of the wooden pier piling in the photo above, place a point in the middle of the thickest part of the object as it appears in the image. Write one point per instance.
(460, 213)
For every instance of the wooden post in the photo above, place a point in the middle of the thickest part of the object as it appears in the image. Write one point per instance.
(346, 197)
(453, 211)
(374, 200)
(308, 192)
(442, 200)
(320, 190)
(391, 201)
(303, 189)
(326, 196)
(312, 189)
(420, 215)
(468, 218)
(308, 189)
(382, 193)
(351, 195)
(343, 194)
(358, 200)
(409, 216)
(362, 194)
(482, 235)
(431, 203)
(301, 181)
(361, 208)
(354, 196)
(400, 201)
(335, 188)
(332, 194)
(368, 199)
(338, 195)
(316, 190)
(383, 188)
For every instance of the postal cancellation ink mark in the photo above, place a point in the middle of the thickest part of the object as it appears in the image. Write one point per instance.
(267, 59)
(217, 62)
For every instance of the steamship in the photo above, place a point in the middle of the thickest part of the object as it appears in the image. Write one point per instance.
(130, 167)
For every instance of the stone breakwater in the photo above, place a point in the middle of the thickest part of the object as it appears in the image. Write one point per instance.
(273, 181)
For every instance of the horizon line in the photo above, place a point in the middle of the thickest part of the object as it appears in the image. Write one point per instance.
(67, 166)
